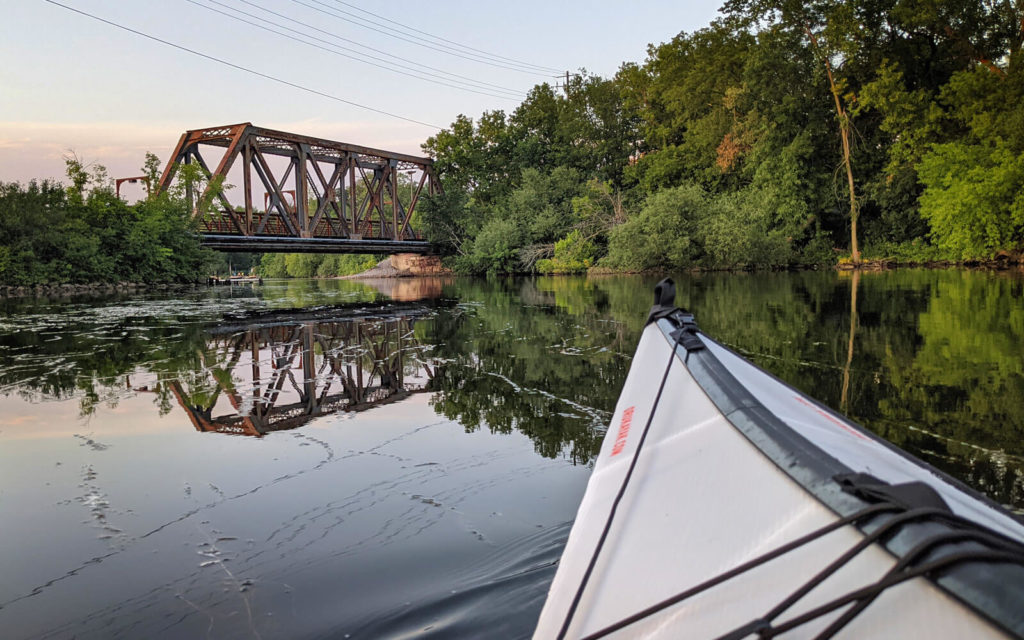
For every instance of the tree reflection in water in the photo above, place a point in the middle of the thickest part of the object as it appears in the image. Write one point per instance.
(930, 360)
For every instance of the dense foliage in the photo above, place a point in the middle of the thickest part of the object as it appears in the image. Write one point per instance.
(234, 263)
(84, 233)
(314, 265)
(761, 140)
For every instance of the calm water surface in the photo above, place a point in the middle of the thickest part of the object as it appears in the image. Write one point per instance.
(327, 459)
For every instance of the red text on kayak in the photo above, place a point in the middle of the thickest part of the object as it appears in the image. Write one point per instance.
(620, 439)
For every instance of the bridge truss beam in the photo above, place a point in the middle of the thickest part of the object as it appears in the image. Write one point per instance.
(344, 196)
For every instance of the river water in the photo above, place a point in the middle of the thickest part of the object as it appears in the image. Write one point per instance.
(334, 459)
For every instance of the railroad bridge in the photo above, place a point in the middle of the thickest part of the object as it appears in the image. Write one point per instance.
(319, 196)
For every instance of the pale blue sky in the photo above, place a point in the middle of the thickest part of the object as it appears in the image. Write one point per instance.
(70, 82)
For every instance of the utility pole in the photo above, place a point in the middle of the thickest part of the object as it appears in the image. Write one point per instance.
(567, 84)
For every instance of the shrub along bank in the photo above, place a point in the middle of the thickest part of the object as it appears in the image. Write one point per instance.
(83, 233)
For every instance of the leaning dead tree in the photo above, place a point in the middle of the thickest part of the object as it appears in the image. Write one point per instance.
(844, 133)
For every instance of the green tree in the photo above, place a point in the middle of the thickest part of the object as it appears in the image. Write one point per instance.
(664, 234)
(974, 186)
(496, 248)
(91, 235)
(302, 265)
(573, 254)
(272, 265)
(152, 169)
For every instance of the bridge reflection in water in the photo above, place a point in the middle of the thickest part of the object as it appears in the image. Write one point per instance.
(281, 374)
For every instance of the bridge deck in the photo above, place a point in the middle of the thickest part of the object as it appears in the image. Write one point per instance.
(283, 244)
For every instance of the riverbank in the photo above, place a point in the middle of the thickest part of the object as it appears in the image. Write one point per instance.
(1002, 261)
(93, 288)
(386, 270)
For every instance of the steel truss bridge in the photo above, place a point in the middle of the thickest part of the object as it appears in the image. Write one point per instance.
(344, 198)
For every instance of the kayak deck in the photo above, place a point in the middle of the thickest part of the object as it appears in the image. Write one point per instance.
(720, 493)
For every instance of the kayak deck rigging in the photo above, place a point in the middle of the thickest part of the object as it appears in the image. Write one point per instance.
(995, 548)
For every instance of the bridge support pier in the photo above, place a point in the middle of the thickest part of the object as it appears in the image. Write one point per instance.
(417, 265)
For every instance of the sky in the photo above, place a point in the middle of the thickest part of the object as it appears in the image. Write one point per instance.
(70, 83)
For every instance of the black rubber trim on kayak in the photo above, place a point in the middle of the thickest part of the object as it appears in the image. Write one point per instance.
(909, 494)
(871, 435)
(665, 306)
(664, 301)
(622, 491)
(790, 451)
(993, 595)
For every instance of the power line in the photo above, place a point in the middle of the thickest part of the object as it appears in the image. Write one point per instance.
(421, 44)
(446, 40)
(412, 73)
(241, 68)
(517, 93)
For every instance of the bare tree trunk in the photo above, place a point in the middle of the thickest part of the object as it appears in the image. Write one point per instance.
(844, 134)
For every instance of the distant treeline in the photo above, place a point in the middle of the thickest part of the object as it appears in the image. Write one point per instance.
(763, 140)
(314, 265)
(84, 233)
